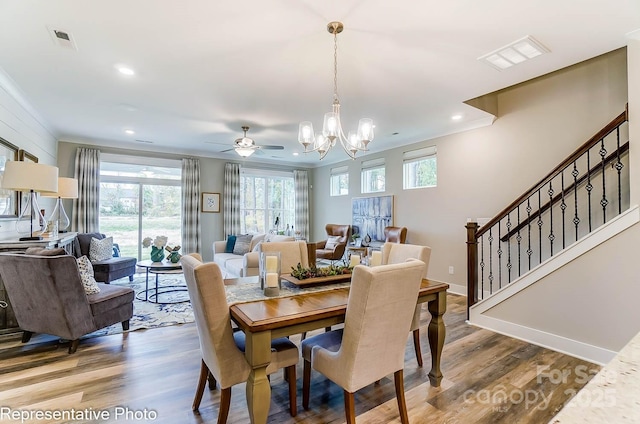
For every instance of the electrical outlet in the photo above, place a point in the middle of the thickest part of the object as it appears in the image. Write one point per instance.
(451, 270)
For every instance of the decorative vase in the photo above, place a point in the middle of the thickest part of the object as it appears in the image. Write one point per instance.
(157, 254)
(174, 257)
(366, 241)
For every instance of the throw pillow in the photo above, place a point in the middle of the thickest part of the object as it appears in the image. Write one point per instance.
(101, 250)
(42, 251)
(243, 244)
(332, 242)
(86, 275)
(231, 242)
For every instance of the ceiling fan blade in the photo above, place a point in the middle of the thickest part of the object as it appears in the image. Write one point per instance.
(227, 150)
(271, 147)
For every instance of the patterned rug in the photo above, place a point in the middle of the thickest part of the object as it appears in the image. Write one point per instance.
(153, 315)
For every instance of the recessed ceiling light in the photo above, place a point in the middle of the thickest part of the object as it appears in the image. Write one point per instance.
(514, 53)
(130, 132)
(295, 153)
(125, 70)
(456, 117)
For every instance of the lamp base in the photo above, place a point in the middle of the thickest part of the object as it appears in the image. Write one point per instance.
(31, 238)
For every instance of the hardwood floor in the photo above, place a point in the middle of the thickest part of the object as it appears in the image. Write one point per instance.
(488, 378)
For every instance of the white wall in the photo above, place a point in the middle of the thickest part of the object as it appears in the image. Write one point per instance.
(481, 171)
(21, 126)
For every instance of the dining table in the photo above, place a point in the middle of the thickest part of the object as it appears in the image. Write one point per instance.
(297, 311)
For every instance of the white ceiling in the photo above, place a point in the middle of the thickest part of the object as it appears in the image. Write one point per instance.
(205, 68)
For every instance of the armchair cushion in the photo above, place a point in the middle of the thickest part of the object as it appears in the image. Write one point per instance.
(101, 249)
(332, 242)
(108, 269)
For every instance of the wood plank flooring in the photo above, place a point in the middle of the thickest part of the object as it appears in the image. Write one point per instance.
(488, 378)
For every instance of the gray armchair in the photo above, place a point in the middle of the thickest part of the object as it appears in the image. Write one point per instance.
(107, 270)
(47, 296)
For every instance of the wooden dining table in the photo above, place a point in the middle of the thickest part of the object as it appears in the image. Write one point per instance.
(267, 319)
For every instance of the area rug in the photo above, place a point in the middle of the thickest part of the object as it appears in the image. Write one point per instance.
(152, 315)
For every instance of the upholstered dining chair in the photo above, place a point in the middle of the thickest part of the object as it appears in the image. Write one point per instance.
(333, 248)
(368, 347)
(395, 234)
(223, 360)
(395, 253)
(292, 253)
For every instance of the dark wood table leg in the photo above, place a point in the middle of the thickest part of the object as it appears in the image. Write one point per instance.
(436, 333)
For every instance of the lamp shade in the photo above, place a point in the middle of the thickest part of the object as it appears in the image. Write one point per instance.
(67, 189)
(26, 176)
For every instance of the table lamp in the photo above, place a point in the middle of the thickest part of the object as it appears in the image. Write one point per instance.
(67, 189)
(31, 177)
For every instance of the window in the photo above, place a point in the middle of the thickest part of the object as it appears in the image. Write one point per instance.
(339, 181)
(419, 168)
(138, 200)
(266, 197)
(372, 177)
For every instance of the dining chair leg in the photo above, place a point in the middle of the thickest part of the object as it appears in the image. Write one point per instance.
(349, 407)
(416, 346)
(204, 372)
(225, 403)
(212, 381)
(293, 401)
(402, 404)
(306, 382)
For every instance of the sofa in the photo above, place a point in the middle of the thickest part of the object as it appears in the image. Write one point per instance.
(244, 264)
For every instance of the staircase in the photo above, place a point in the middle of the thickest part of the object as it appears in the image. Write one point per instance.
(580, 204)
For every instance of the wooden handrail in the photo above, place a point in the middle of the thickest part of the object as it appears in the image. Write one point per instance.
(593, 171)
(616, 122)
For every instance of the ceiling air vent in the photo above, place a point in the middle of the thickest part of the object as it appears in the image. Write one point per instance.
(517, 52)
(62, 38)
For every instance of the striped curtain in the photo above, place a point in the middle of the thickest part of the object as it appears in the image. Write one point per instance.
(86, 208)
(190, 206)
(301, 184)
(231, 199)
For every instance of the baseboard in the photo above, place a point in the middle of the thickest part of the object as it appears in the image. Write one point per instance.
(555, 342)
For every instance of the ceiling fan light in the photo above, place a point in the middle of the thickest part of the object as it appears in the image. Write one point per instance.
(245, 152)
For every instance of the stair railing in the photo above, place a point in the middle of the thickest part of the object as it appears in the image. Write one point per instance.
(584, 191)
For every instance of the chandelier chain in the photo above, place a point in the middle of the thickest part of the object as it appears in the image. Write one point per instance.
(335, 67)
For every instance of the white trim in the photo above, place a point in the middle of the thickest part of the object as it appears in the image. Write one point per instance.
(339, 170)
(560, 344)
(418, 154)
(373, 163)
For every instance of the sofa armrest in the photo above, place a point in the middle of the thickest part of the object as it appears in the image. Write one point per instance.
(219, 246)
(321, 244)
(250, 264)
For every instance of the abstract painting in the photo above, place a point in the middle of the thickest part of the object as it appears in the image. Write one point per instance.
(370, 215)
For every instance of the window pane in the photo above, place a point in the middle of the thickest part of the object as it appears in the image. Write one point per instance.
(373, 180)
(139, 171)
(420, 173)
(263, 199)
(339, 185)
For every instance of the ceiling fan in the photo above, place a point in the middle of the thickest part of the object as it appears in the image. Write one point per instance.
(245, 146)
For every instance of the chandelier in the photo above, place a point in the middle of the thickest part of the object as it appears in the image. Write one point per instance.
(332, 126)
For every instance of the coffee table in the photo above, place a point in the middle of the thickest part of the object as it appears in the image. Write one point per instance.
(157, 268)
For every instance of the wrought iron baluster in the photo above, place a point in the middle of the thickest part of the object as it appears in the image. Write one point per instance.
(589, 188)
(539, 227)
(519, 240)
(499, 254)
(551, 236)
(529, 251)
(576, 218)
(619, 167)
(481, 294)
(603, 202)
(509, 265)
(563, 207)
(490, 261)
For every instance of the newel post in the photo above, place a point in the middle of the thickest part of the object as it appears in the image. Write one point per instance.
(472, 265)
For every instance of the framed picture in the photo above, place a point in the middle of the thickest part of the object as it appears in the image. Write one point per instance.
(371, 214)
(8, 198)
(211, 202)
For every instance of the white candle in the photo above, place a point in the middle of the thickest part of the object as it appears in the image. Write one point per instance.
(272, 279)
(272, 263)
(354, 260)
(376, 258)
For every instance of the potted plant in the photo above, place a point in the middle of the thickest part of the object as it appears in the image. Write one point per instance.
(355, 239)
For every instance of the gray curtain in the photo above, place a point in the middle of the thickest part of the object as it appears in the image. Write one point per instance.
(231, 205)
(301, 184)
(190, 206)
(86, 208)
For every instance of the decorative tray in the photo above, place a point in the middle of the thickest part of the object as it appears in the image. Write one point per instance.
(315, 281)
